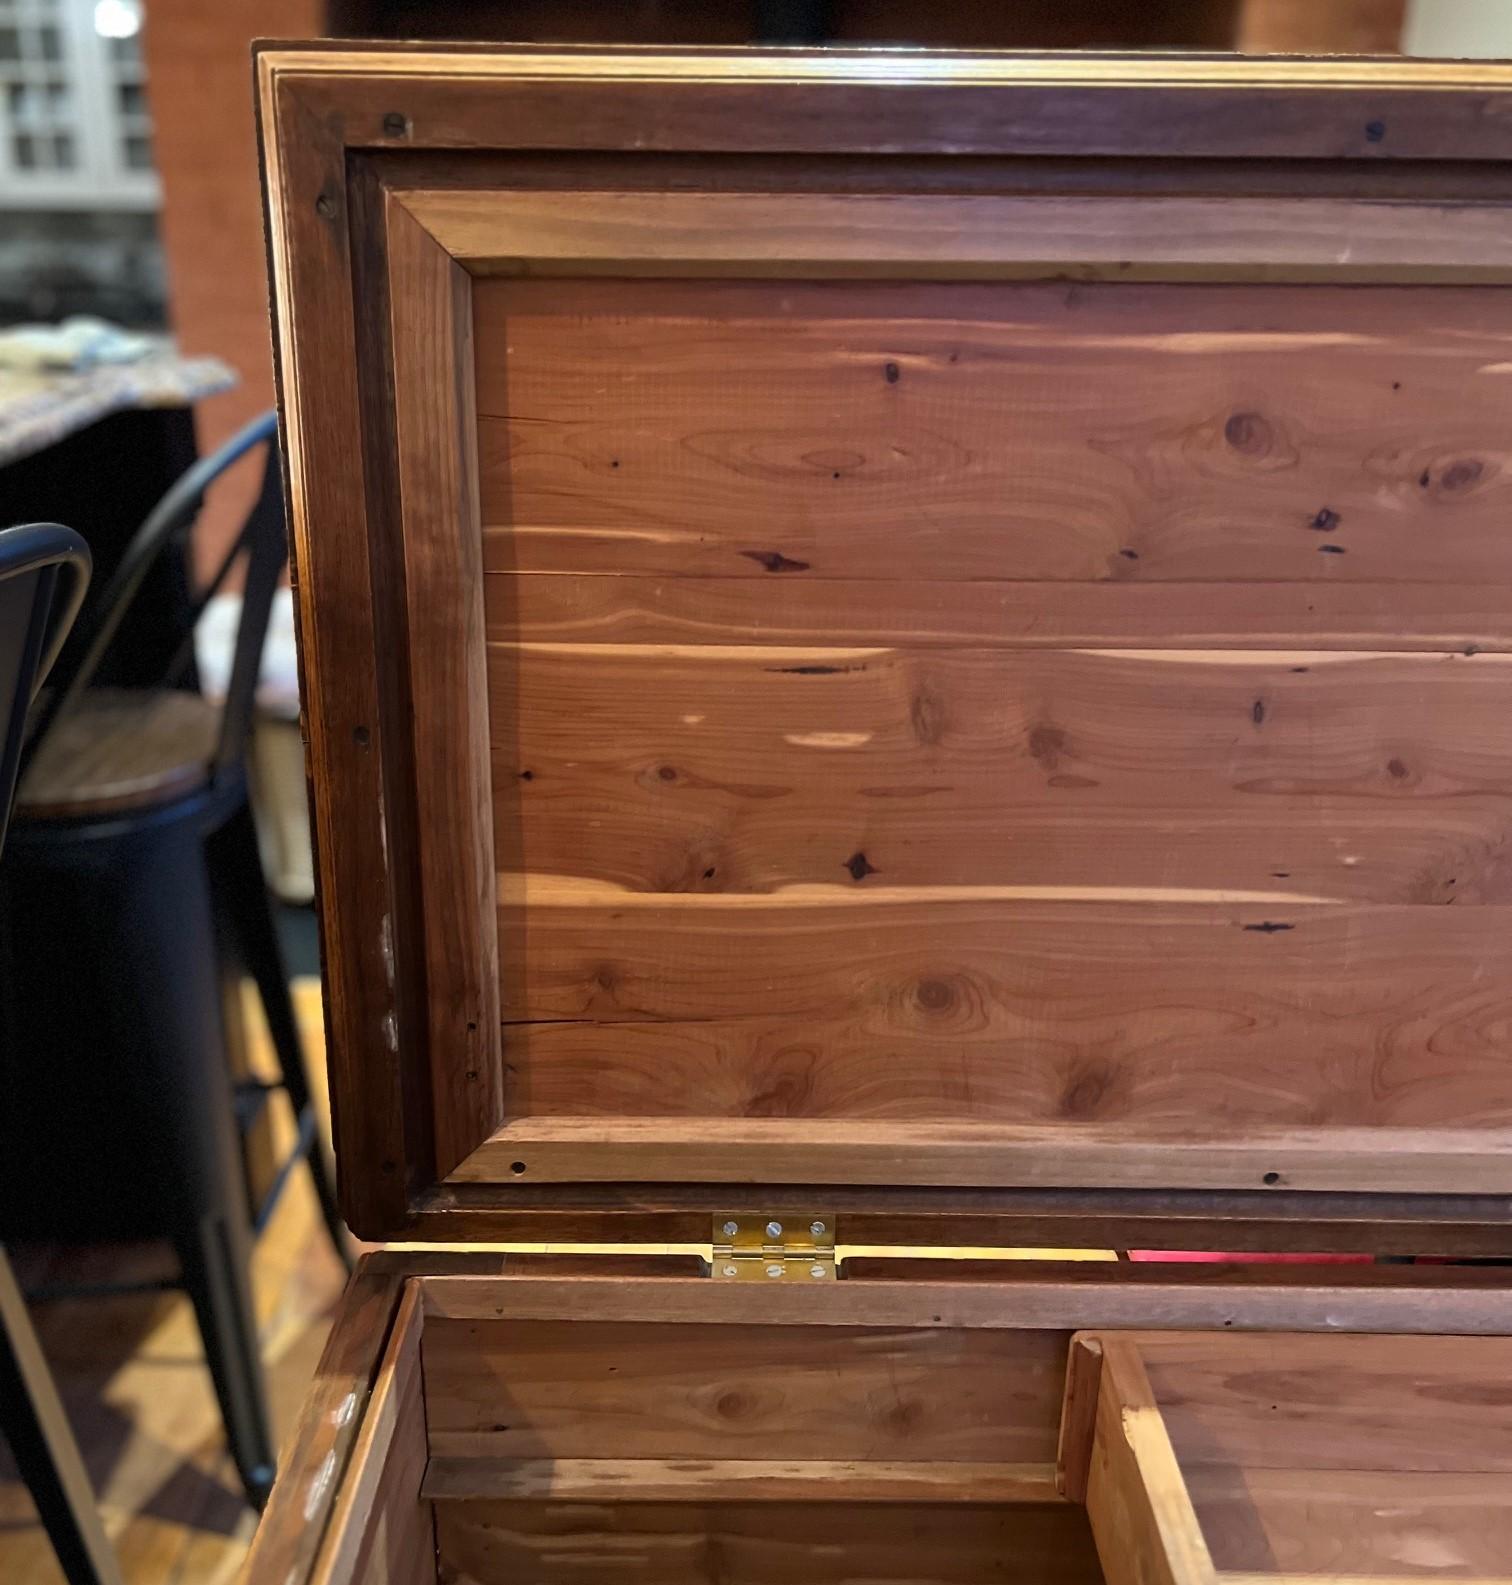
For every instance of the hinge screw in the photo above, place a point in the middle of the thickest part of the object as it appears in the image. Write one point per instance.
(774, 1271)
(816, 1228)
(730, 1271)
(774, 1229)
(730, 1229)
(816, 1271)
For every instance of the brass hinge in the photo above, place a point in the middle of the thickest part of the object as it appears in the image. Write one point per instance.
(774, 1249)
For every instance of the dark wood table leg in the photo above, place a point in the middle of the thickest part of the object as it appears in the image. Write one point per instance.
(32, 1421)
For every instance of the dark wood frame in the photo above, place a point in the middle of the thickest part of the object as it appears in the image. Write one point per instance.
(372, 159)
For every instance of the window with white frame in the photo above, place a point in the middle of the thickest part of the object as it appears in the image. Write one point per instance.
(74, 129)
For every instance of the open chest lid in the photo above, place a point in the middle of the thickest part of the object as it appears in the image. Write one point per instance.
(918, 637)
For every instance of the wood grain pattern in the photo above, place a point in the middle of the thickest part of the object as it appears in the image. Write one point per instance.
(923, 236)
(1078, 1428)
(430, 307)
(1315, 774)
(381, 1532)
(1137, 1502)
(474, 1478)
(792, 102)
(1357, 1457)
(332, 566)
(1133, 438)
(958, 431)
(485, 1543)
(1369, 1524)
(1140, 1019)
(1321, 1403)
(1377, 1160)
(630, 608)
(1060, 1297)
(534, 1390)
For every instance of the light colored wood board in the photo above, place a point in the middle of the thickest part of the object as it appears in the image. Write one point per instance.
(977, 1067)
(380, 1531)
(1399, 1403)
(1346, 1020)
(1137, 1502)
(541, 1390)
(1039, 431)
(765, 1544)
(1120, 236)
(1319, 775)
(1078, 1428)
(1369, 1524)
(1470, 1160)
(629, 608)
(430, 311)
(1431, 975)
(1059, 1298)
(460, 1479)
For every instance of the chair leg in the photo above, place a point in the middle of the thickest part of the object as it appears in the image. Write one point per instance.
(214, 1255)
(32, 1421)
(237, 877)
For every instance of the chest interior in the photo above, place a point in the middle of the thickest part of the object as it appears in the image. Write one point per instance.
(574, 1431)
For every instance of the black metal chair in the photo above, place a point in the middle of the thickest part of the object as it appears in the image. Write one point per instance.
(44, 570)
(133, 842)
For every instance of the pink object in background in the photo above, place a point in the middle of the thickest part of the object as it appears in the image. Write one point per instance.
(1252, 1260)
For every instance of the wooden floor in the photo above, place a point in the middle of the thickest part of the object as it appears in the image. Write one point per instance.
(134, 1383)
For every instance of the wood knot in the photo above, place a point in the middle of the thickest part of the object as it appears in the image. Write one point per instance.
(1047, 744)
(935, 996)
(1461, 475)
(775, 561)
(859, 866)
(927, 716)
(1249, 434)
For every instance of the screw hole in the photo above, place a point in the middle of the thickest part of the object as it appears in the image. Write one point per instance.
(1271, 1177)
(361, 736)
(517, 1167)
(396, 124)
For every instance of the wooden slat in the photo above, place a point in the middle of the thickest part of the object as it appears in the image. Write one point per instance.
(484, 1543)
(983, 1065)
(735, 1480)
(430, 305)
(1316, 774)
(594, 1390)
(1413, 1159)
(1111, 1023)
(1029, 431)
(1142, 1517)
(1078, 1430)
(1062, 1297)
(381, 1531)
(921, 955)
(1116, 236)
(629, 608)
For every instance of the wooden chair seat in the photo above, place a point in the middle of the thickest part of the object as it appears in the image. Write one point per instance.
(121, 749)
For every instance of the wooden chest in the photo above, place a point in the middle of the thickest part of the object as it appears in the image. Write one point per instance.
(914, 651)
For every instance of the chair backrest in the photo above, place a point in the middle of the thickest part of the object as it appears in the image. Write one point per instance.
(262, 539)
(44, 571)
